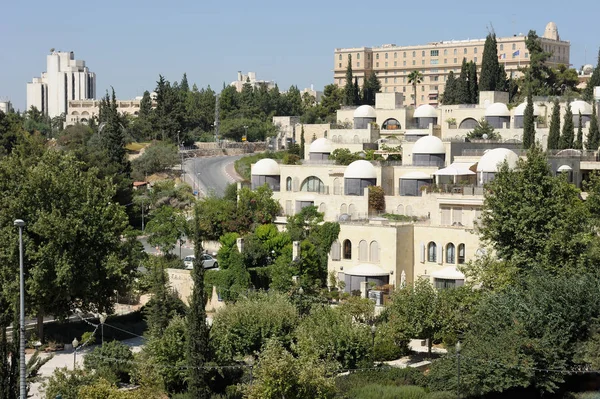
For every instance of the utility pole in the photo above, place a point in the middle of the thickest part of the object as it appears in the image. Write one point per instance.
(217, 119)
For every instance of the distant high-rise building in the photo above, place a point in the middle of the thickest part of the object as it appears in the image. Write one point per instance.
(251, 79)
(392, 64)
(65, 79)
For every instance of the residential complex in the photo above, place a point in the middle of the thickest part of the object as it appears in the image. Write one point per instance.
(392, 64)
(6, 106)
(251, 79)
(80, 111)
(436, 191)
(65, 79)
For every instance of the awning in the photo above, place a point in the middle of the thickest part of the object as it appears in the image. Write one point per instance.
(449, 273)
(456, 169)
(565, 168)
(367, 270)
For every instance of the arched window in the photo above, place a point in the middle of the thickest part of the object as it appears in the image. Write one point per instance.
(400, 209)
(288, 184)
(336, 249)
(343, 209)
(374, 252)
(322, 207)
(347, 249)
(461, 254)
(363, 251)
(432, 252)
(391, 124)
(336, 186)
(313, 184)
(468, 123)
(352, 210)
(409, 210)
(450, 253)
(356, 139)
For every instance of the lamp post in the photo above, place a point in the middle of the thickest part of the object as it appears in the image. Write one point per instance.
(23, 384)
(458, 348)
(102, 320)
(75, 345)
(373, 331)
(245, 133)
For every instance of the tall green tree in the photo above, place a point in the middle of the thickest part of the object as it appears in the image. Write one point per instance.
(490, 68)
(356, 92)
(579, 139)
(464, 90)
(415, 78)
(112, 131)
(537, 73)
(166, 226)
(502, 83)
(472, 83)
(371, 87)
(349, 87)
(302, 142)
(528, 123)
(184, 86)
(554, 133)
(588, 92)
(568, 131)
(450, 91)
(198, 351)
(593, 138)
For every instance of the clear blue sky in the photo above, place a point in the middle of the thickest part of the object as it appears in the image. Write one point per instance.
(129, 43)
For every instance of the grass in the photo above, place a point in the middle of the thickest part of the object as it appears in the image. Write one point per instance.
(135, 147)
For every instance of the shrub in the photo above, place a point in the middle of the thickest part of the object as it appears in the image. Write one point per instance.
(157, 157)
(386, 375)
(373, 391)
(111, 361)
(388, 344)
(66, 383)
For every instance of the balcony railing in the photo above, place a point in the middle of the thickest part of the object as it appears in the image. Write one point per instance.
(455, 189)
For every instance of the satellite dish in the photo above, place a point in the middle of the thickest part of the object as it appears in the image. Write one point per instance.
(485, 136)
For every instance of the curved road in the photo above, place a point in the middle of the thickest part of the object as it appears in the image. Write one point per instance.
(211, 174)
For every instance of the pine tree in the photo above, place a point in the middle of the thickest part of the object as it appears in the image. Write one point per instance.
(463, 92)
(356, 92)
(198, 352)
(490, 68)
(502, 81)
(579, 141)
(593, 140)
(554, 134)
(349, 88)
(302, 143)
(528, 123)
(588, 92)
(112, 130)
(568, 130)
(184, 85)
(449, 96)
(473, 86)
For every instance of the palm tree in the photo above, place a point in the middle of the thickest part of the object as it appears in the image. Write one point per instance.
(415, 78)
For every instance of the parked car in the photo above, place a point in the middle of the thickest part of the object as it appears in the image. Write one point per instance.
(208, 262)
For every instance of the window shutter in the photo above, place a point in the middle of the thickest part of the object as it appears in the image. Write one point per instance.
(440, 253)
(422, 252)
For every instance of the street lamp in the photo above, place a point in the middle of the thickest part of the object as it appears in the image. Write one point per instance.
(373, 331)
(458, 348)
(23, 384)
(245, 132)
(75, 344)
(102, 320)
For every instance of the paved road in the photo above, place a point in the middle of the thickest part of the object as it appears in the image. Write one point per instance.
(211, 174)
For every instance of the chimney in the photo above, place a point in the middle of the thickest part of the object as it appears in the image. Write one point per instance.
(240, 244)
(295, 250)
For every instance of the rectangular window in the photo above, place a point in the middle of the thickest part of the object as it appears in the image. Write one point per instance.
(422, 62)
(404, 89)
(395, 55)
(455, 51)
(457, 216)
(446, 212)
(403, 63)
(414, 62)
(434, 53)
(501, 47)
(455, 60)
(445, 51)
(414, 53)
(340, 58)
(514, 46)
(443, 284)
(395, 63)
(395, 81)
(404, 79)
(394, 88)
(385, 80)
(475, 59)
(340, 65)
(423, 53)
(422, 98)
(465, 51)
(475, 50)
(358, 56)
(445, 60)
(434, 62)
(422, 88)
(435, 78)
(386, 64)
(358, 64)
(377, 65)
(404, 54)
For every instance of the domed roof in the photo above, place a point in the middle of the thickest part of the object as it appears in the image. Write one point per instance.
(360, 169)
(429, 145)
(490, 160)
(497, 109)
(520, 110)
(365, 111)
(266, 167)
(425, 111)
(551, 31)
(321, 145)
(581, 106)
(415, 176)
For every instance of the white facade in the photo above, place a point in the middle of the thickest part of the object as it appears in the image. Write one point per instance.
(5, 106)
(251, 78)
(65, 79)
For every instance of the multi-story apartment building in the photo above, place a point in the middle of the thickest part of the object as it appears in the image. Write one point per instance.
(392, 64)
(81, 111)
(65, 79)
(251, 79)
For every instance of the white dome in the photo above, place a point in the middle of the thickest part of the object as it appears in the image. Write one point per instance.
(321, 145)
(415, 176)
(520, 110)
(360, 169)
(266, 167)
(425, 111)
(581, 106)
(490, 160)
(365, 111)
(429, 145)
(587, 69)
(497, 109)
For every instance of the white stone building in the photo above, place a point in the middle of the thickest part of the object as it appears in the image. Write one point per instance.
(65, 79)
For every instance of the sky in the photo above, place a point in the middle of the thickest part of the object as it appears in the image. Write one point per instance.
(128, 43)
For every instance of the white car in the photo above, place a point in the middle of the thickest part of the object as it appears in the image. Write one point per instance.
(208, 262)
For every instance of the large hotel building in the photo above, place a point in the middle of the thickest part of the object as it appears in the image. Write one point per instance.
(392, 63)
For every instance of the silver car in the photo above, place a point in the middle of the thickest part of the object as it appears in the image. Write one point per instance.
(208, 262)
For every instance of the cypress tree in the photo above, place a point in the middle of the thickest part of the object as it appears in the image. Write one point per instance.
(593, 140)
(198, 353)
(473, 86)
(588, 92)
(449, 96)
(554, 134)
(490, 68)
(349, 88)
(568, 130)
(356, 92)
(579, 141)
(502, 81)
(528, 123)
(463, 94)
(184, 86)
(302, 142)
